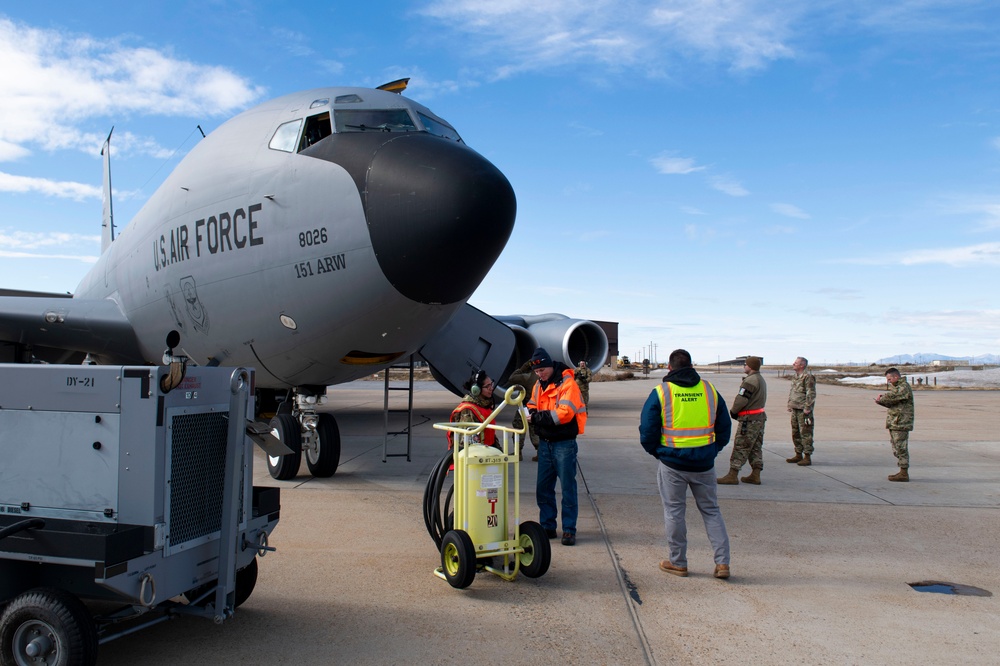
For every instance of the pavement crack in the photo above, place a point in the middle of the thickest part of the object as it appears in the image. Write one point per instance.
(630, 592)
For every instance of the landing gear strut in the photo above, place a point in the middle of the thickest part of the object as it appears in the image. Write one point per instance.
(299, 427)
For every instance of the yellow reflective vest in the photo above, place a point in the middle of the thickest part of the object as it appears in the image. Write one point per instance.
(688, 416)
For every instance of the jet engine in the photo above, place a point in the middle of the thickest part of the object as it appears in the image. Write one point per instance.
(568, 340)
(473, 340)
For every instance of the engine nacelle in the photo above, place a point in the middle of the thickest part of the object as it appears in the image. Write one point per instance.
(568, 340)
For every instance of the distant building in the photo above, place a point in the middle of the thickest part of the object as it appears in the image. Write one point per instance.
(952, 362)
(739, 361)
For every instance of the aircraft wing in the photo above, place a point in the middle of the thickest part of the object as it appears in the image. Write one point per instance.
(474, 340)
(59, 329)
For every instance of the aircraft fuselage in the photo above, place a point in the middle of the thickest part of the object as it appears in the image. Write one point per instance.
(315, 258)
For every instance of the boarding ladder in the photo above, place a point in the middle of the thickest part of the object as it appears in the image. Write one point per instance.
(408, 411)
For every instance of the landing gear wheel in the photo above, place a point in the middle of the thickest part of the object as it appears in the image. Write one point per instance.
(458, 559)
(286, 428)
(537, 553)
(47, 626)
(324, 460)
(246, 581)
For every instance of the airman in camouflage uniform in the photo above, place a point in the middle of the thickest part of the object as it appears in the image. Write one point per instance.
(748, 411)
(526, 378)
(899, 420)
(583, 375)
(479, 391)
(801, 400)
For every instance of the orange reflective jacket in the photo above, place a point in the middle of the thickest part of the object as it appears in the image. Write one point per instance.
(563, 402)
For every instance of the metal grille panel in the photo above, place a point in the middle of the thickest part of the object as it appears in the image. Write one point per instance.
(198, 467)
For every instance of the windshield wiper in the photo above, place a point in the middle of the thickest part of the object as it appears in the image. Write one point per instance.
(365, 128)
(384, 127)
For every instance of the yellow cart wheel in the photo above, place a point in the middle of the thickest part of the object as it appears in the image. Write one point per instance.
(536, 552)
(458, 559)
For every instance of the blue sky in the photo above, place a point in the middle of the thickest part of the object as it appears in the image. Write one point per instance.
(770, 177)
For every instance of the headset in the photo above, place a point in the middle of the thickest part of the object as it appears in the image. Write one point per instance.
(477, 379)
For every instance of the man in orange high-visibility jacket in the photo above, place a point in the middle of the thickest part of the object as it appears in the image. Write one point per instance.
(557, 412)
(684, 425)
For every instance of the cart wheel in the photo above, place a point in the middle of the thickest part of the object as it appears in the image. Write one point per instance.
(537, 553)
(324, 460)
(286, 428)
(458, 559)
(47, 626)
(246, 581)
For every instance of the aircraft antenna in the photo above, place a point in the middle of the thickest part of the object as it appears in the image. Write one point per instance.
(107, 214)
(171, 156)
(201, 130)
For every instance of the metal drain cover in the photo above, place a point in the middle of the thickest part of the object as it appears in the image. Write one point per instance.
(941, 587)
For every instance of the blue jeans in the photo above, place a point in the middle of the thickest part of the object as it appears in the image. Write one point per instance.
(557, 460)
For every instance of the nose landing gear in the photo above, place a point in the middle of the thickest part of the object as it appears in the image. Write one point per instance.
(306, 432)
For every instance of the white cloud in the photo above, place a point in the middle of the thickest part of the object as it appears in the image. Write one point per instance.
(986, 210)
(658, 38)
(746, 34)
(667, 164)
(52, 188)
(788, 210)
(27, 240)
(54, 84)
(584, 130)
(691, 210)
(87, 259)
(728, 186)
(983, 254)
(32, 245)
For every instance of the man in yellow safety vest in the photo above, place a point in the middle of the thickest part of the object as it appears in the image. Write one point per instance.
(684, 425)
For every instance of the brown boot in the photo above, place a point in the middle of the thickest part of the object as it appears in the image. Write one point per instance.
(729, 479)
(903, 475)
(753, 477)
(805, 462)
(797, 457)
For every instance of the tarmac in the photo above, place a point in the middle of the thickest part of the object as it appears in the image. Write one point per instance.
(821, 555)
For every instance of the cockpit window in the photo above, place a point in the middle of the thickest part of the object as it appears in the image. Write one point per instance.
(286, 136)
(438, 128)
(373, 120)
(317, 129)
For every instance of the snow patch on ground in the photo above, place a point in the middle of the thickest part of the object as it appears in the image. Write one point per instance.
(955, 378)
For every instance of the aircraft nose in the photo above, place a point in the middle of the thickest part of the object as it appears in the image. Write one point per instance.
(439, 215)
(438, 212)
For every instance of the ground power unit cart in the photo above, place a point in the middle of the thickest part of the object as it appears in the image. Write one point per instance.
(126, 497)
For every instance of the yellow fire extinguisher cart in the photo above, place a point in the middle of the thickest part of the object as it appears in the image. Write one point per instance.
(486, 496)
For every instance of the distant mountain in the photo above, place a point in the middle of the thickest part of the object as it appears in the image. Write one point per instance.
(923, 359)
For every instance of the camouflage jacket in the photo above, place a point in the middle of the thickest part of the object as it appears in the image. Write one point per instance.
(751, 397)
(525, 377)
(899, 400)
(582, 376)
(469, 416)
(802, 395)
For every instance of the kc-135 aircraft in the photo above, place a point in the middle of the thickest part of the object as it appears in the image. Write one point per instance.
(318, 237)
